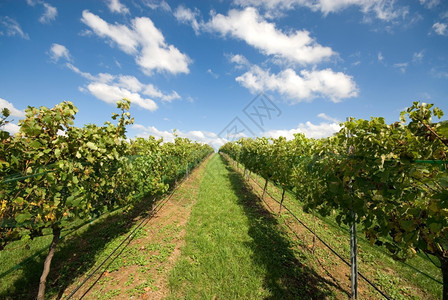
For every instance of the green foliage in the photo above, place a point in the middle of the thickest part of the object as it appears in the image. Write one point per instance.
(394, 177)
(66, 172)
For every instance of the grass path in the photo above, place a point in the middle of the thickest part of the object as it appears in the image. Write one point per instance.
(213, 239)
(235, 248)
(239, 247)
(140, 271)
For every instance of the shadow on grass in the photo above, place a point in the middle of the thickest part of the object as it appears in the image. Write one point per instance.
(287, 277)
(376, 251)
(74, 256)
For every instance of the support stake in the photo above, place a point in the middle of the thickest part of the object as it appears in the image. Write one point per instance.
(264, 190)
(354, 257)
(353, 238)
(281, 202)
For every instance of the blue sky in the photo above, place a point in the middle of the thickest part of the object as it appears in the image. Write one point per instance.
(216, 70)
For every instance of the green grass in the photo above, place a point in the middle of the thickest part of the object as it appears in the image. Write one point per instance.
(235, 250)
(75, 255)
(375, 262)
(22, 263)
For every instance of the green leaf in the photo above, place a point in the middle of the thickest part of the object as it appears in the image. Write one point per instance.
(70, 200)
(435, 227)
(23, 217)
(91, 146)
(19, 201)
(35, 144)
(407, 225)
(443, 129)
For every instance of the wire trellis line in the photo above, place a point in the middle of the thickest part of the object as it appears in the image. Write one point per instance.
(322, 241)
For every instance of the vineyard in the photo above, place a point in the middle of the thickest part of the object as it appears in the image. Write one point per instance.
(389, 180)
(54, 173)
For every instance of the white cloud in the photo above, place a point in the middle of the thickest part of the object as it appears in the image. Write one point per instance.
(12, 28)
(116, 7)
(85, 74)
(11, 128)
(304, 86)
(133, 84)
(249, 26)
(144, 41)
(187, 16)
(425, 96)
(124, 37)
(436, 72)
(213, 74)
(101, 77)
(430, 3)
(152, 91)
(155, 4)
(310, 130)
(151, 130)
(380, 56)
(401, 66)
(440, 28)
(328, 118)
(14, 111)
(418, 57)
(111, 94)
(382, 9)
(58, 51)
(111, 88)
(240, 60)
(117, 63)
(50, 13)
(205, 137)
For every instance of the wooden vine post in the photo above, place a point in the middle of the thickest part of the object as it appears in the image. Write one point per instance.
(281, 202)
(353, 239)
(264, 189)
